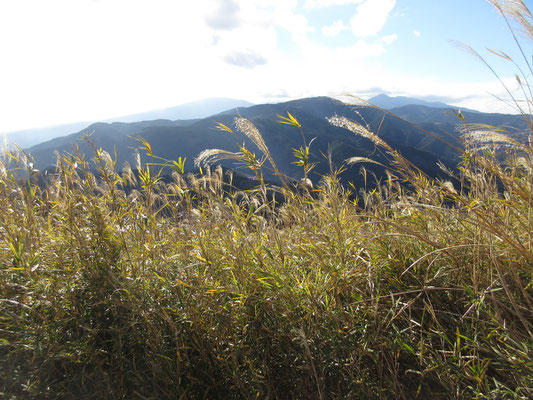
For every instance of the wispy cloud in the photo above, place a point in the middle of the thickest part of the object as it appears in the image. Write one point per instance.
(388, 39)
(310, 4)
(246, 59)
(225, 15)
(334, 29)
(63, 55)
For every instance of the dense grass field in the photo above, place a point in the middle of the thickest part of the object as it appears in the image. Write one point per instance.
(127, 285)
(147, 282)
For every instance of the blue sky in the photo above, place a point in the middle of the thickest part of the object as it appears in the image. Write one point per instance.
(83, 60)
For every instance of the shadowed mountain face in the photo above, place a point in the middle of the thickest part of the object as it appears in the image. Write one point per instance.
(173, 139)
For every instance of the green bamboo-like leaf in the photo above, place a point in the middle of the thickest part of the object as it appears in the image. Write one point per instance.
(222, 127)
(289, 121)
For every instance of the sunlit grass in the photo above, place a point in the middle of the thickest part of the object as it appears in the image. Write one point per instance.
(142, 282)
(130, 284)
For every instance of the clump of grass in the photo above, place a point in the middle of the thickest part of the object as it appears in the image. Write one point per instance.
(139, 285)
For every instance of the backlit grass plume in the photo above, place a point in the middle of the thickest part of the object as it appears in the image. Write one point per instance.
(483, 135)
(249, 129)
(358, 129)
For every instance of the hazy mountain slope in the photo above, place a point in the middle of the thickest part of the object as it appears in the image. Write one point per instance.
(194, 110)
(170, 140)
(108, 136)
(419, 114)
(30, 137)
(444, 123)
(173, 139)
(388, 102)
(189, 111)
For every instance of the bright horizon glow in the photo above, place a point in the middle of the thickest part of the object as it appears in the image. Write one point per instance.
(66, 61)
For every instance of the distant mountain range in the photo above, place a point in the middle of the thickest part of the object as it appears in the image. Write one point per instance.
(194, 110)
(389, 103)
(187, 138)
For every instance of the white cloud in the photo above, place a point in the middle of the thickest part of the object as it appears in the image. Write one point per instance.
(310, 4)
(319, 70)
(68, 61)
(388, 39)
(275, 13)
(334, 29)
(371, 17)
(417, 33)
(71, 61)
(368, 20)
(362, 49)
(223, 15)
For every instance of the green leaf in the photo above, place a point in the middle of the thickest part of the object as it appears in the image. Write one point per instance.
(179, 165)
(408, 348)
(289, 121)
(223, 127)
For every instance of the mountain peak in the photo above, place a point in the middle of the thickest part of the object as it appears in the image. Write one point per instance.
(390, 102)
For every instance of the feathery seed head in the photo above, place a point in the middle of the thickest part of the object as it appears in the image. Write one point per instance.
(249, 129)
(481, 134)
(517, 11)
(137, 157)
(358, 129)
(128, 175)
(524, 163)
(210, 156)
(355, 160)
(449, 187)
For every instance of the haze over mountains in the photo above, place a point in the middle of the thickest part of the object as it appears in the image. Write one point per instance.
(388, 102)
(392, 102)
(187, 138)
(193, 110)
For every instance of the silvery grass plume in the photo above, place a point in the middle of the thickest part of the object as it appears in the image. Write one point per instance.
(137, 158)
(249, 129)
(353, 100)
(448, 186)
(517, 11)
(487, 135)
(513, 11)
(520, 105)
(106, 161)
(526, 164)
(210, 156)
(356, 160)
(358, 129)
(127, 175)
